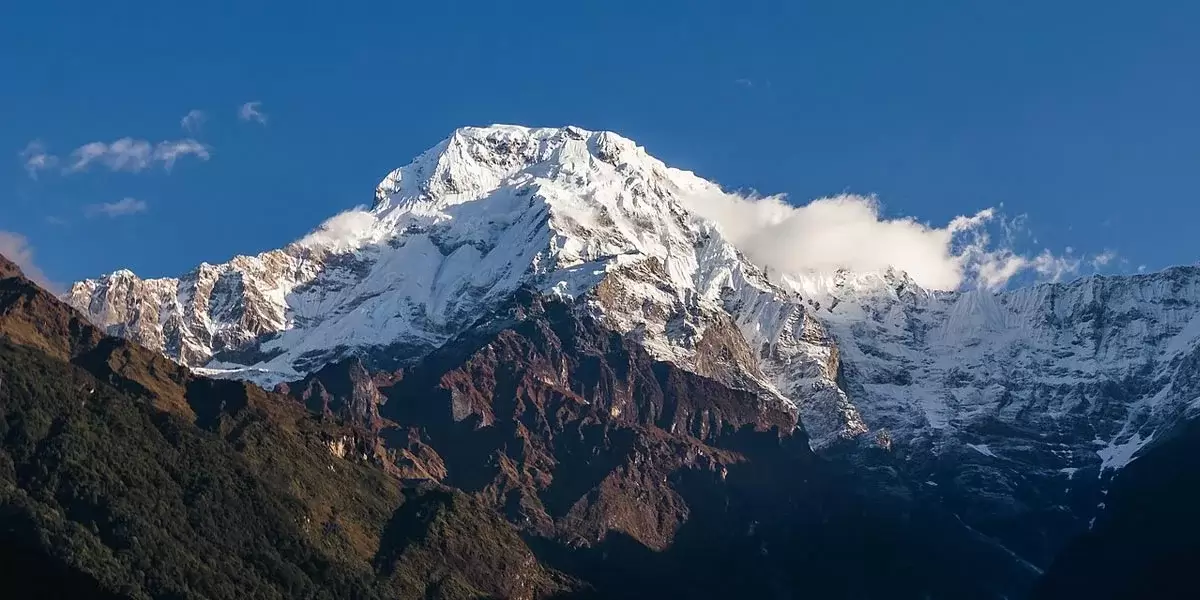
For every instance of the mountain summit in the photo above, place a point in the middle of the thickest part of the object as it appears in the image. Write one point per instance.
(1013, 408)
(449, 237)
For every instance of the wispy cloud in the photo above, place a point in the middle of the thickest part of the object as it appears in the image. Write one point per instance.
(1055, 268)
(36, 158)
(168, 152)
(132, 155)
(252, 111)
(125, 154)
(850, 231)
(193, 121)
(16, 248)
(120, 208)
(1103, 259)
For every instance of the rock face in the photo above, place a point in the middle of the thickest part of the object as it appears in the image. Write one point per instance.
(343, 390)
(1012, 409)
(9, 269)
(540, 405)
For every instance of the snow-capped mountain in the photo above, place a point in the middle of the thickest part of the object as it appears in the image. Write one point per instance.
(998, 403)
(576, 214)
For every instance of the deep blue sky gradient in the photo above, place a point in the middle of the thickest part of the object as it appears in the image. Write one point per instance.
(1084, 115)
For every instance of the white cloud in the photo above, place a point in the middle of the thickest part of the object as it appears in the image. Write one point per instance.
(996, 272)
(848, 231)
(128, 154)
(125, 154)
(1055, 268)
(193, 121)
(37, 159)
(16, 248)
(1102, 259)
(120, 208)
(252, 111)
(342, 231)
(168, 152)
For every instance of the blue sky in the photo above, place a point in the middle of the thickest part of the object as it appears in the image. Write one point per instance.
(1081, 115)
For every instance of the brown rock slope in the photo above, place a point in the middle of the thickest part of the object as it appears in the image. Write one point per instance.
(630, 473)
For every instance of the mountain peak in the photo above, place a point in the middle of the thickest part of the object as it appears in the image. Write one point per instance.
(475, 160)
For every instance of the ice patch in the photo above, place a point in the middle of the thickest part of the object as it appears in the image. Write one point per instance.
(1115, 456)
(1185, 339)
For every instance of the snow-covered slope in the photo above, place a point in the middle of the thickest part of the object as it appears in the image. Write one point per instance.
(1109, 358)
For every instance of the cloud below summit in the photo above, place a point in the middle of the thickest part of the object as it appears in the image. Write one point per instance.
(850, 232)
(342, 231)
